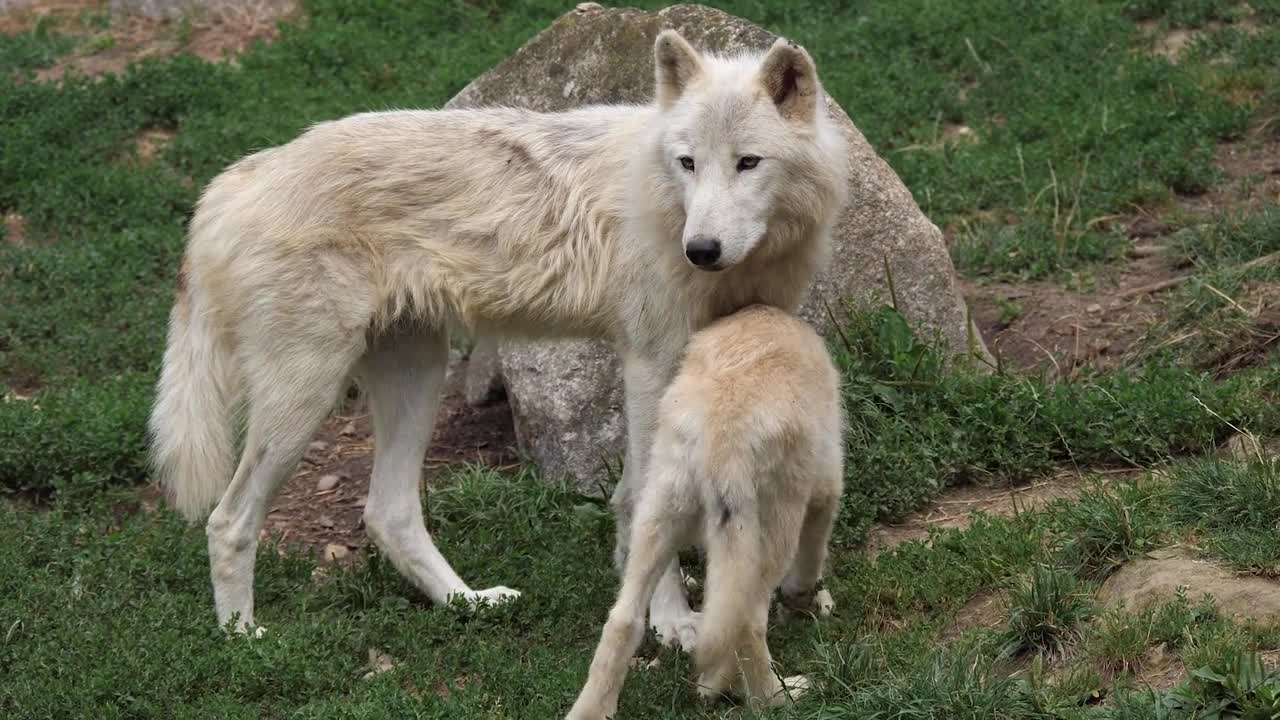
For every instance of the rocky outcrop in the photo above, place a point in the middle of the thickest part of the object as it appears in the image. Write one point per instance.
(563, 392)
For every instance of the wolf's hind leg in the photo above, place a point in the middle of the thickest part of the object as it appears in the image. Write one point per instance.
(291, 390)
(800, 589)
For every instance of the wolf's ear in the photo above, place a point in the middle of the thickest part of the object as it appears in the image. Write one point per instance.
(676, 64)
(791, 79)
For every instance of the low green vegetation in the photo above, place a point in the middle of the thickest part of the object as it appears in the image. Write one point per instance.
(917, 424)
(110, 609)
(1224, 316)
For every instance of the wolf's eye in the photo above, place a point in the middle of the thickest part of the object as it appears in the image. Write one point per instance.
(746, 162)
(686, 162)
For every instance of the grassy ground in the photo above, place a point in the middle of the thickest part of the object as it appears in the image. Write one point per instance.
(1033, 135)
(109, 610)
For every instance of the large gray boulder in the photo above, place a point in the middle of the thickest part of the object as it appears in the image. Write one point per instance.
(566, 396)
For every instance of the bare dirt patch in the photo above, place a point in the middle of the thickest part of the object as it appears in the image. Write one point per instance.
(321, 517)
(958, 506)
(1168, 44)
(1045, 326)
(15, 229)
(150, 142)
(987, 610)
(111, 36)
(1250, 175)
(1171, 43)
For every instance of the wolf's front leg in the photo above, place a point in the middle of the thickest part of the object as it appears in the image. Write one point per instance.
(645, 379)
(657, 531)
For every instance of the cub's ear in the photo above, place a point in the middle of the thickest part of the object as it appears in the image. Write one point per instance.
(791, 79)
(676, 65)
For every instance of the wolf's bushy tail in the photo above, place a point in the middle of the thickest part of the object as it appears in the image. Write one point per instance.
(192, 443)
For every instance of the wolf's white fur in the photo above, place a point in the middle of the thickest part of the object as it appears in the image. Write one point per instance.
(748, 463)
(354, 249)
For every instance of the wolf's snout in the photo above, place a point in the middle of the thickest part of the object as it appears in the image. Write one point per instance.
(703, 252)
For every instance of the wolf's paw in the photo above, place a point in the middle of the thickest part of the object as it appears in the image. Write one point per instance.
(709, 694)
(792, 688)
(823, 603)
(818, 602)
(593, 713)
(676, 628)
(492, 597)
(594, 703)
(245, 630)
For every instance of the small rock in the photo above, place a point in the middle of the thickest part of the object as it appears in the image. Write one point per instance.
(1159, 575)
(334, 552)
(327, 483)
(1156, 656)
(316, 452)
(325, 521)
(349, 429)
(588, 7)
(1245, 447)
(638, 663)
(1093, 309)
(379, 662)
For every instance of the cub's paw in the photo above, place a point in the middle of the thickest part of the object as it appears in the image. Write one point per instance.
(677, 629)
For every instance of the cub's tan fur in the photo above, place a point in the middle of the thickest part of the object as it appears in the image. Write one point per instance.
(354, 249)
(748, 463)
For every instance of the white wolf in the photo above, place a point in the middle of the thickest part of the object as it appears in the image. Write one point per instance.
(748, 463)
(355, 248)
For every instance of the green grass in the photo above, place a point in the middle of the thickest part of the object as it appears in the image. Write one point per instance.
(1228, 495)
(1046, 609)
(84, 582)
(1238, 685)
(1225, 317)
(919, 425)
(1236, 506)
(1105, 526)
(35, 49)
(110, 609)
(1121, 641)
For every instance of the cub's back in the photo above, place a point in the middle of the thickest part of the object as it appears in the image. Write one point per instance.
(760, 377)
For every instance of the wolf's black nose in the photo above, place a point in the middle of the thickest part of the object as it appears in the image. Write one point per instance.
(703, 251)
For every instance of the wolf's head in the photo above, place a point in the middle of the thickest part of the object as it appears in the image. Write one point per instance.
(744, 143)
